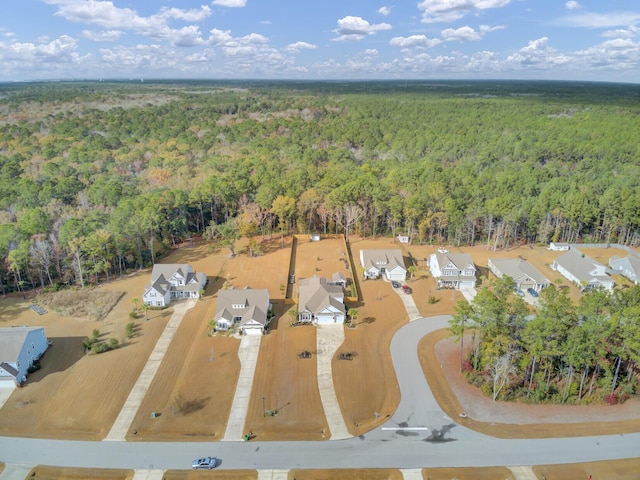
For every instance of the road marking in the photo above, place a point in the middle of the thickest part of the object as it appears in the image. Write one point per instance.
(405, 428)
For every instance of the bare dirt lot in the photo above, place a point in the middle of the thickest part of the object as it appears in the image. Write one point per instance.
(76, 395)
(61, 473)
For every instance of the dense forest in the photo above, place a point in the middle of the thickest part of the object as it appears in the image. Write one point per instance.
(97, 178)
(565, 353)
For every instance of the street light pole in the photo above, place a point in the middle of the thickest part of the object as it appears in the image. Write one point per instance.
(264, 410)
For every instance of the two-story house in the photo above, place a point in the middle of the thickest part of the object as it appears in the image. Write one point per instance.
(453, 270)
(171, 281)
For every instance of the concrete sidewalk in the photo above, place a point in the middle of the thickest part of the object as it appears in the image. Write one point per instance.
(248, 353)
(264, 474)
(5, 393)
(148, 475)
(15, 471)
(130, 408)
(409, 305)
(328, 340)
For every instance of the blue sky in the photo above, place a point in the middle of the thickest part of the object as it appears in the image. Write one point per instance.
(298, 39)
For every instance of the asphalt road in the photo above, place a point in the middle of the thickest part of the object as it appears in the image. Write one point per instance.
(418, 435)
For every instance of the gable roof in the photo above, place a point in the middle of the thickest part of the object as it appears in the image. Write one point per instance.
(162, 273)
(315, 295)
(254, 305)
(516, 268)
(630, 263)
(461, 261)
(377, 258)
(12, 340)
(582, 266)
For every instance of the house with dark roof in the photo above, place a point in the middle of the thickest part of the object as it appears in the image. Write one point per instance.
(453, 270)
(245, 308)
(383, 263)
(583, 271)
(320, 302)
(524, 274)
(172, 281)
(20, 348)
(628, 267)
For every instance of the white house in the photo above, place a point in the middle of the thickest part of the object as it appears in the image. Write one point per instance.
(628, 266)
(453, 269)
(524, 274)
(171, 281)
(247, 308)
(583, 271)
(320, 302)
(559, 247)
(387, 263)
(20, 348)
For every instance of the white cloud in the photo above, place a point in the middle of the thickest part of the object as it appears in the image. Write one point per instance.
(59, 50)
(384, 11)
(414, 41)
(630, 32)
(437, 11)
(106, 15)
(357, 28)
(601, 20)
(230, 3)
(462, 34)
(572, 5)
(468, 34)
(297, 46)
(538, 54)
(103, 36)
(186, 36)
(371, 52)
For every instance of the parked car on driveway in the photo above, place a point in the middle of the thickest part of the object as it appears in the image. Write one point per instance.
(395, 284)
(532, 292)
(205, 463)
(406, 289)
(519, 292)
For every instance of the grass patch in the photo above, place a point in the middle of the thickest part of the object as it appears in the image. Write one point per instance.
(87, 303)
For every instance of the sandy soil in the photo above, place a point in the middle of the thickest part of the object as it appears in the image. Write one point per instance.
(75, 395)
(346, 474)
(367, 384)
(59, 473)
(628, 469)
(210, 474)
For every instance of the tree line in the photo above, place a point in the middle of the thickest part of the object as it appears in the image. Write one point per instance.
(98, 178)
(565, 353)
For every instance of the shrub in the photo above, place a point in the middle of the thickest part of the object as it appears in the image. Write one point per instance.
(129, 329)
(133, 315)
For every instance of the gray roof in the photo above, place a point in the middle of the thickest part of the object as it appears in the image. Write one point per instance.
(461, 261)
(255, 305)
(388, 259)
(581, 266)
(630, 262)
(162, 272)
(516, 268)
(315, 295)
(12, 340)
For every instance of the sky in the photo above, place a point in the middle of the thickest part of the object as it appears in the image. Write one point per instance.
(589, 40)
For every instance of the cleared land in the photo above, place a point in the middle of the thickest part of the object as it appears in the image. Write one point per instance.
(62, 473)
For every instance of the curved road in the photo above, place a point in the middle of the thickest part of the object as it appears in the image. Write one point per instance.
(418, 435)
